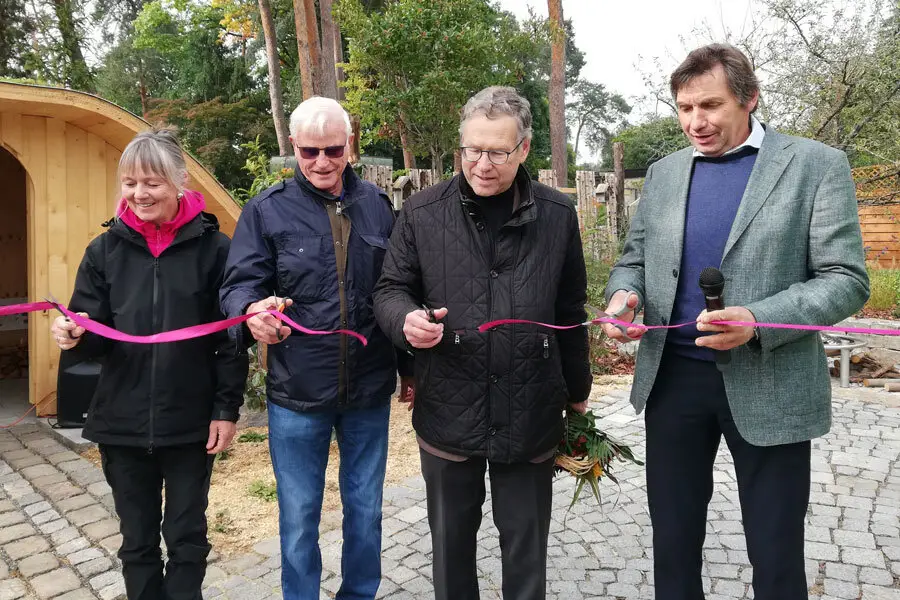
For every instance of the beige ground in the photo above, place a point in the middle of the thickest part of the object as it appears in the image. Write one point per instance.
(238, 519)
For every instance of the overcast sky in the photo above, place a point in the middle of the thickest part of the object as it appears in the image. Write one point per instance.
(617, 37)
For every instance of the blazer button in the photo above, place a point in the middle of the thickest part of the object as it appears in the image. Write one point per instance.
(479, 226)
(494, 379)
(675, 273)
(495, 274)
(492, 431)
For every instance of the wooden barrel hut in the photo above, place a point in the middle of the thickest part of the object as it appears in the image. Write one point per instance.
(59, 150)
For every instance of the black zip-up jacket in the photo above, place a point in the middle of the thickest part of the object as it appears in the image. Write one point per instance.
(498, 394)
(158, 394)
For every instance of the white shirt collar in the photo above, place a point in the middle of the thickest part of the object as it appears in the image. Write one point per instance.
(754, 140)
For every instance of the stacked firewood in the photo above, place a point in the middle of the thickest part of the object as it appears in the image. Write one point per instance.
(869, 371)
(14, 362)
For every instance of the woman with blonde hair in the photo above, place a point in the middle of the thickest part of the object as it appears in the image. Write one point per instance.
(161, 411)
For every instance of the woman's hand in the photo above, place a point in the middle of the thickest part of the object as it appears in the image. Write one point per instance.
(66, 333)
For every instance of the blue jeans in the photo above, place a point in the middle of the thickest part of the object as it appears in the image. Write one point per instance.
(299, 445)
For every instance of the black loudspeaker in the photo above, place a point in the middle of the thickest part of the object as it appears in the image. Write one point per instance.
(75, 386)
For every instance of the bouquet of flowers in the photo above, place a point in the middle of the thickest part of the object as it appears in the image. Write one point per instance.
(588, 453)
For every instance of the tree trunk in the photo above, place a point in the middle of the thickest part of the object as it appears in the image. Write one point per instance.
(558, 91)
(142, 88)
(457, 161)
(354, 143)
(275, 97)
(75, 71)
(307, 75)
(329, 77)
(315, 47)
(437, 162)
(338, 59)
(409, 159)
(619, 168)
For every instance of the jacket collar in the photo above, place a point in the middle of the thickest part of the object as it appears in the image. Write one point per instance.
(526, 212)
(351, 187)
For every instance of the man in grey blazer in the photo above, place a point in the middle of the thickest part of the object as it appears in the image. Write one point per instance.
(778, 216)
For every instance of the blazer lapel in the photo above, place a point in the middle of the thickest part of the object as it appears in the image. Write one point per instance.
(773, 158)
(674, 213)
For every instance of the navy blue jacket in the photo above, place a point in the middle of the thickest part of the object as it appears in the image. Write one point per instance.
(283, 246)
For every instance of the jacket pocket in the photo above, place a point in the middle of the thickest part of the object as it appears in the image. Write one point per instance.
(371, 255)
(301, 266)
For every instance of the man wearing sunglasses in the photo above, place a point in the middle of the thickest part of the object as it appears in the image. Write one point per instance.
(489, 244)
(312, 247)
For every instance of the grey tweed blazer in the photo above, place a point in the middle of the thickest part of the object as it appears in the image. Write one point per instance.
(794, 255)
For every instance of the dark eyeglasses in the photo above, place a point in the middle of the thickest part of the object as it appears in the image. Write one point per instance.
(309, 152)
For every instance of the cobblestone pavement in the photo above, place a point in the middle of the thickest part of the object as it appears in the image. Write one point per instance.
(58, 533)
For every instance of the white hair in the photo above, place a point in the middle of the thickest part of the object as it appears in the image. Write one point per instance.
(314, 114)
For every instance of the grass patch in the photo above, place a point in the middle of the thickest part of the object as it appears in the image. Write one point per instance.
(884, 287)
(263, 490)
(253, 437)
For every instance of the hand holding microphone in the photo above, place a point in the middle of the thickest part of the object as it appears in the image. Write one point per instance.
(712, 284)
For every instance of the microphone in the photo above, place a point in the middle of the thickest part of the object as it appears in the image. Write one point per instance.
(712, 284)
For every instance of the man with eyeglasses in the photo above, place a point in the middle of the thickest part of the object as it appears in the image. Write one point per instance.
(489, 244)
(313, 246)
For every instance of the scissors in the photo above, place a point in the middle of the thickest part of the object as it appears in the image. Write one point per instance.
(604, 315)
(49, 298)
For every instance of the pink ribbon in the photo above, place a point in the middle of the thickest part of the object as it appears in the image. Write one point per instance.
(598, 321)
(176, 335)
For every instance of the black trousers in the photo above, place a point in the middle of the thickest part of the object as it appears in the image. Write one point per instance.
(136, 478)
(521, 497)
(687, 414)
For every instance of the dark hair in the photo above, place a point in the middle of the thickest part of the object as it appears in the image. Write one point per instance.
(738, 71)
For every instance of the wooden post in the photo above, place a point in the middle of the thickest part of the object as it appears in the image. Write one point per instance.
(547, 177)
(380, 175)
(619, 166)
(423, 178)
(612, 204)
(584, 186)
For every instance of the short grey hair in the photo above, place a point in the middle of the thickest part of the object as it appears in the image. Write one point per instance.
(738, 70)
(156, 152)
(499, 101)
(314, 114)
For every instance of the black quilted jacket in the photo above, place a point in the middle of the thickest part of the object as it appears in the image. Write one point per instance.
(498, 394)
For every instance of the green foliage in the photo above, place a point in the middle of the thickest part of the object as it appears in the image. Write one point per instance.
(592, 112)
(16, 57)
(257, 166)
(263, 490)
(646, 143)
(416, 63)
(884, 286)
(255, 387)
(252, 437)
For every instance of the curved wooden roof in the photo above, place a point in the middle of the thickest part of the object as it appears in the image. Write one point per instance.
(117, 127)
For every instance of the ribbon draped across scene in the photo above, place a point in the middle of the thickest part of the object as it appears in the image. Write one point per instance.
(175, 335)
(195, 331)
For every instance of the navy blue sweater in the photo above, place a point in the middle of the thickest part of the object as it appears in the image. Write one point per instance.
(717, 186)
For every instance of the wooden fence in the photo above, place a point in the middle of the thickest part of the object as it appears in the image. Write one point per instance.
(881, 233)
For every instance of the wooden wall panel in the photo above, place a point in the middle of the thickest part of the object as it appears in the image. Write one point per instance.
(78, 202)
(881, 233)
(43, 354)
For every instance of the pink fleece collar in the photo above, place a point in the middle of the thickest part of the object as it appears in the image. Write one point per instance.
(160, 237)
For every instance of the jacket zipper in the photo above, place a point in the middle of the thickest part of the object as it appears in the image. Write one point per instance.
(546, 346)
(153, 349)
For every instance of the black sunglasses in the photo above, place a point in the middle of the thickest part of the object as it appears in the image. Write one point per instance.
(309, 152)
